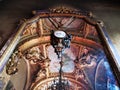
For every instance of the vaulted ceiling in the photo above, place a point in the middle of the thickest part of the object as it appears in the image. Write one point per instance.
(37, 59)
(36, 63)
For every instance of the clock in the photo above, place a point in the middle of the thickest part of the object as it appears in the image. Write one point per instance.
(60, 34)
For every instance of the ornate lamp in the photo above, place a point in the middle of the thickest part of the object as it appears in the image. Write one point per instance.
(60, 40)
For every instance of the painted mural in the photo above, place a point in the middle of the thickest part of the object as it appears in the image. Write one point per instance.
(85, 64)
(90, 68)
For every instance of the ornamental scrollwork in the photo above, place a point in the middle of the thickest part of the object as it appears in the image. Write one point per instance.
(67, 10)
(11, 66)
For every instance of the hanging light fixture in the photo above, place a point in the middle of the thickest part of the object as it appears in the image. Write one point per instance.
(60, 40)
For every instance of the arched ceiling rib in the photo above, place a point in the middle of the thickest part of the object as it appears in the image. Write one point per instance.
(46, 39)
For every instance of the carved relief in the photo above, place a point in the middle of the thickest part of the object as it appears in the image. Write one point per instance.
(30, 29)
(11, 66)
(38, 59)
(34, 54)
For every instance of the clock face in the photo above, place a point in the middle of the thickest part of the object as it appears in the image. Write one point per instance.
(60, 34)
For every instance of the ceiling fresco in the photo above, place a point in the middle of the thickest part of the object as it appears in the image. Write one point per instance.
(85, 64)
